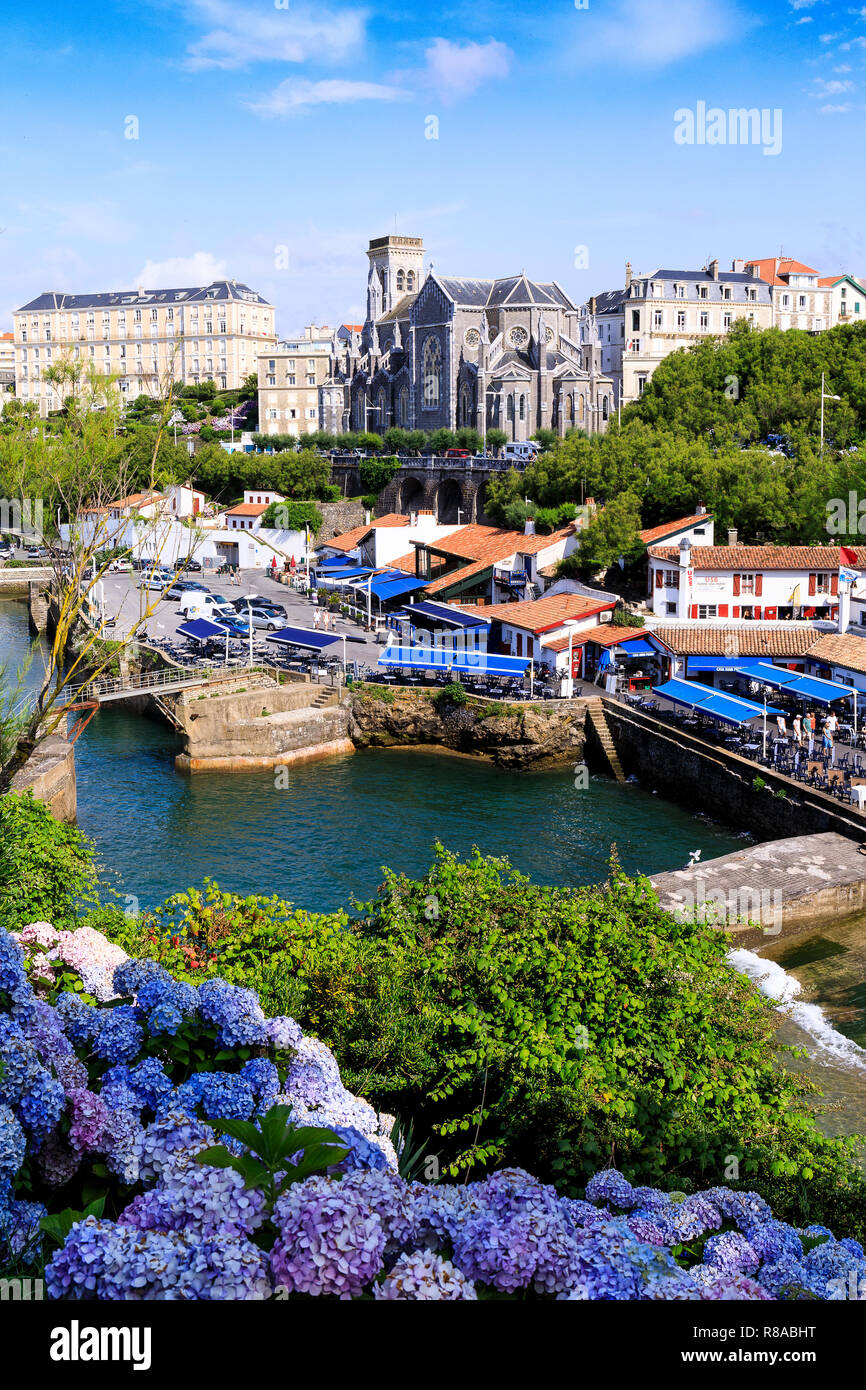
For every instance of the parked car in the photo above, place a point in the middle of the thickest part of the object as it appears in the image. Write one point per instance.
(37, 552)
(524, 452)
(235, 626)
(185, 586)
(264, 617)
(5, 552)
(458, 454)
(120, 567)
(194, 566)
(257, 601)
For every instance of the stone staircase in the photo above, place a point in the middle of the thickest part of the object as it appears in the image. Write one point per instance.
(324, 699)
(595, 714)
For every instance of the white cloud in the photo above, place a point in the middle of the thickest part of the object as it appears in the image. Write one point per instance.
(802, 4)
(457, 70)
(638, 35)
(241, 34)
(198, 269)
(295, 96)
(835, 110)
(806, 20)
(831, 89)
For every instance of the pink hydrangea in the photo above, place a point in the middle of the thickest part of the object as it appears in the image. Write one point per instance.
(94, 957)
(39, 934)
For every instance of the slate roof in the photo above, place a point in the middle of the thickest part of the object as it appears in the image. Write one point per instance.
(115, 299)
(400, 309)
(761, 557)
(509, 290)
(610, 301)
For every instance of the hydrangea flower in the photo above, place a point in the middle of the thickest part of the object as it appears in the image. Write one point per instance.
(90, 1116)
(236, 1014)
(390, 1198)
(283, 1033)
(93, 956)
(117, 1035)
(13, 1145)
(198, 1199)
(425, 1277)
(329, 1241)
(39, 934)
(731, 1253)
(610, 1186)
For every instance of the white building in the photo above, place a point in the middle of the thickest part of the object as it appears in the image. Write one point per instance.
(747, 583)
(847, 299)
(800, 299)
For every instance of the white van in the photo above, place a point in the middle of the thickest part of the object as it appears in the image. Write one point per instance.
(525, 452)
(198, 605)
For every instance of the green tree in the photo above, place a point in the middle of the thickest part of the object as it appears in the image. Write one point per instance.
(611, 535)
(496, 440)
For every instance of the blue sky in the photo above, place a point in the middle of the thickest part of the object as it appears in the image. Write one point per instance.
(269, 124)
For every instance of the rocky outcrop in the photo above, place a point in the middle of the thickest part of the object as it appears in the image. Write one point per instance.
(49, 774)
(511, 735)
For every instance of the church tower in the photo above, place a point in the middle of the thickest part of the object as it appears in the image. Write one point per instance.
(396, 268)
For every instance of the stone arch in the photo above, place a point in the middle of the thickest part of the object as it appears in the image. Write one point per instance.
(411, 495)
(449, 499)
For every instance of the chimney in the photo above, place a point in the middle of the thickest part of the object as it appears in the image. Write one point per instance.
(628, 275)
(141, 291)
(738, 266)
(700, 509)
(529, 527)
(714, 269)
(593, 305)
(732, 536)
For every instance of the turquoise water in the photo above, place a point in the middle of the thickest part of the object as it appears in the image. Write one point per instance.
(329, 832)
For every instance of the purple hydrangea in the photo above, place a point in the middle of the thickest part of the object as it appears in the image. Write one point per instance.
(610, 1186)
(284, 1033)
(390, 1198)
(199, 1199)
(329, 1241)
(731, 1253)
(90, 1116)
(236, 1014)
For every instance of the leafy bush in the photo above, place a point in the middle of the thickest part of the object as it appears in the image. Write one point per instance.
(47, 868)
(551, 1028)
(452, 694)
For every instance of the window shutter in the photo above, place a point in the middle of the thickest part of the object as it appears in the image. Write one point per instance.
(736, 611)
(723, 610)
(694, 610)
(813, 585)
(759, 585)
(757, 612)
(736, 585)
(660, 579)
(834, 584)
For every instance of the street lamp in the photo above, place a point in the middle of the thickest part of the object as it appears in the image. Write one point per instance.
(250, 622)
(825, 397)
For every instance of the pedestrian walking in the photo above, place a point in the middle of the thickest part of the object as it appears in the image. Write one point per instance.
(809, 726)
(316, 619)
(798, 729)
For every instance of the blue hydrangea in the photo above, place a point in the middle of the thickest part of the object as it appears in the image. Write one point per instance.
(117, 1036)
(236, 1014)
(610, 1186)
(20, 1233)
(148, 1081)
(13, 977)
(79, 1019)
(262, 1077)
(226, 1096)
(731, 1253)
(13, 1145)
(775, 1240)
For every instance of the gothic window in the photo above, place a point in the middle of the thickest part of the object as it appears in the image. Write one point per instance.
(403, 406)
(604, 408)
(401, 282)
(510, 408)
(382, 408)
(582, 406)
(571, 409)
(410, 281)
(432, 373)
(465, 405)
(518, 337)
(523, 407)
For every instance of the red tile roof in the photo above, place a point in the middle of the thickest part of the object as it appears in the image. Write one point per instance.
(492, 543)
(759, 639)
(657, 533)
(603, 634)
(349, 539)
(248, 509)
(761, 557)
(841, 649)
(773, 268)
(447, 581)
(539, 615)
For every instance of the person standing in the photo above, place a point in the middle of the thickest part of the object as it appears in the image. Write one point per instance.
(798, 730)
(829, 748)
(809, 725)
(316, 619)
(781, 726)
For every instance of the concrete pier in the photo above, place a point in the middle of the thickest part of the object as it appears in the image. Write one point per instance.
(774, 889)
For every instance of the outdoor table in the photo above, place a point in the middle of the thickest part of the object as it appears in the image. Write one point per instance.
(835, 775)
(814, 768)
(751, 747)
(858, 796)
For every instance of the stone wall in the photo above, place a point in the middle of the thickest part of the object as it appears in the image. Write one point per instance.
(514, 736)
(259, 727)
(50, 775)
(339, 517)
(721, 783)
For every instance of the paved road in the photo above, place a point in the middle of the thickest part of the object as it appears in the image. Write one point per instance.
(126, 603)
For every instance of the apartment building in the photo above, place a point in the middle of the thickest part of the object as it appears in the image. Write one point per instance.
(290, 375)
(747, 583)
(144, 338)
(7, 361)
(800, 300)
(654, 315)
(847, 299)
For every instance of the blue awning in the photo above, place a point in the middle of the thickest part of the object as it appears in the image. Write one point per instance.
(337, 576)
(636, 646)
(201, 630)
(304, 637)
(730, 709)
(472, 662)
(442, 613)
(795, 683)
(334, 562)
(722, 663)
(387, 586)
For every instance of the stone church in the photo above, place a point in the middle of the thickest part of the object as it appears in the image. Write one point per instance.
(437, 351)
